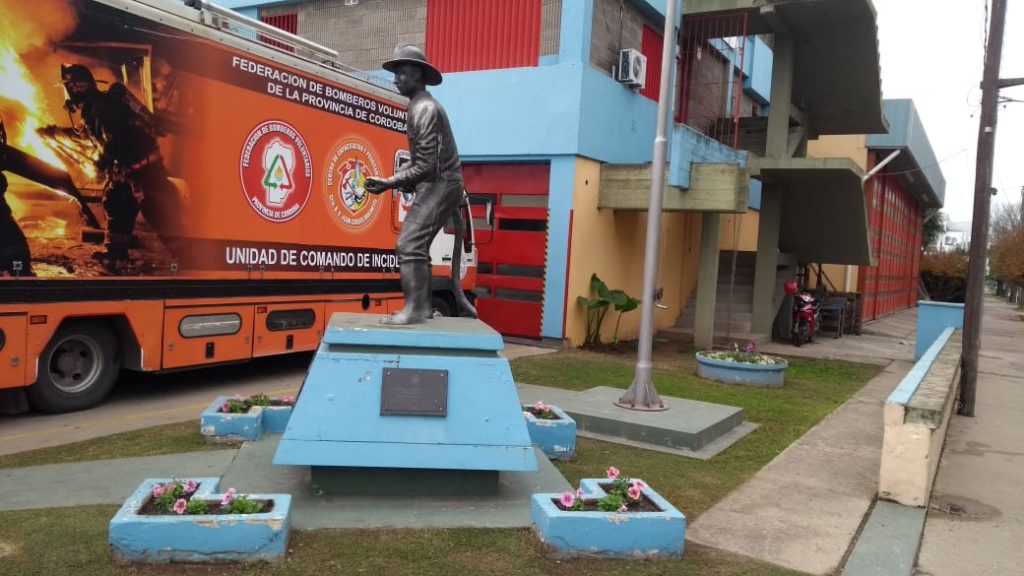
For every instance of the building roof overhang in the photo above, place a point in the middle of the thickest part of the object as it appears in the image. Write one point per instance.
(836, 77)
(824, 215)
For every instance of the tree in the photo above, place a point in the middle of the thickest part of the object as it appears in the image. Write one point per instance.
(934, 226)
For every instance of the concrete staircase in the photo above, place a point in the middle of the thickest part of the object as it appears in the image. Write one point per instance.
(733, 308)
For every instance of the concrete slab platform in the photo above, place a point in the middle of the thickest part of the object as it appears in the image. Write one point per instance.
(100, 481)
(251, 471)
(688, 428)
(888, 542)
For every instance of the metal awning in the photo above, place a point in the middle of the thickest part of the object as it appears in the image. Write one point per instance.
(824, 214)
(837, 77)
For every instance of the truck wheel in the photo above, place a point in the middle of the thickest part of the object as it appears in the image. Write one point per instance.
(440, 306)
(77, 369)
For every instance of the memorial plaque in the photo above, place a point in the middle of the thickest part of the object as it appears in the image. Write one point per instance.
(414, 392)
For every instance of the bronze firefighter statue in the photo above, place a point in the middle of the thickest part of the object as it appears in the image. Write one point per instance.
(435, 173)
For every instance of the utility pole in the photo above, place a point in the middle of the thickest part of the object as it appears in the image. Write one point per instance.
(990, 85)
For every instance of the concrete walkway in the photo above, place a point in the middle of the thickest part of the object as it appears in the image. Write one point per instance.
(975, 524)
(804, 508)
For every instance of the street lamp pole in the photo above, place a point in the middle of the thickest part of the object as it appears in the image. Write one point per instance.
(641, 394)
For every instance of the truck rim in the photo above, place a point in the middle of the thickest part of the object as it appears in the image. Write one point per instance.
(75, 364)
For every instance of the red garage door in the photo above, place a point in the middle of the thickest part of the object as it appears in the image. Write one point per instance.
(510, 269)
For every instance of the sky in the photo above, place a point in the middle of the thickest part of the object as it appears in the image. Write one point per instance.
(933, 52)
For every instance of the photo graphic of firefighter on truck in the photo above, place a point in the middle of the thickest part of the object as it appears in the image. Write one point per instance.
(132, 145)
(87, 186)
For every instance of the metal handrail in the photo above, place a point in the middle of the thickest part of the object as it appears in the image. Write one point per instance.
(261, 27)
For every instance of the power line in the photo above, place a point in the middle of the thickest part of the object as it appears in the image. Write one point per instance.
(923, 168)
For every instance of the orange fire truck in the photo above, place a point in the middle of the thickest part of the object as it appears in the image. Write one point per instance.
(183, 186)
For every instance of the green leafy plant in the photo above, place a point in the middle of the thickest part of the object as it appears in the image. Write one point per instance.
(597, 309)
(196, 506)
(622, 494)
(240, 504)
(173, 496)
(240, 405)
(749, 355)
(542, 411)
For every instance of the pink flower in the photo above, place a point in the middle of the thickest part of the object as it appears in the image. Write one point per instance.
(239, 398)
(225, 407)
(179, 506)
(634, 492)
(613, 472)
(623, 508)
(158, 490)
(568, 499)
(228, 498)
(751, 347)
(540, 406)
(288, 399)
(579, 493)
(190, 487)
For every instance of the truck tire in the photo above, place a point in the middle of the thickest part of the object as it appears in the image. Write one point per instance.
(440, 306)
(77, 369)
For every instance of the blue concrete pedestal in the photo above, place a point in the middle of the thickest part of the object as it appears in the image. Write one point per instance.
(475, 423)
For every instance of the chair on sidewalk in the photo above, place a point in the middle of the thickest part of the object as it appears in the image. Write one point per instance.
(832, 315)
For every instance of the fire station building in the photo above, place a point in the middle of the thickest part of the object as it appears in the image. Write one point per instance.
(555, 116)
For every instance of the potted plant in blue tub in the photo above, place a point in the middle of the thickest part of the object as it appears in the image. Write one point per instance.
(748, 367)
(551, 429)
(245, 418)
(613, 517)
(171, 520)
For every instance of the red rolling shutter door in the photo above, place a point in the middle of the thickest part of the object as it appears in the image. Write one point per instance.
(483, 35)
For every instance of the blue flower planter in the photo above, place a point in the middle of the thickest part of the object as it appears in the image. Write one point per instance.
(225, 427)
(557, 438)
(275, 418)
(199, 538)
(609, 534)
(759, 375)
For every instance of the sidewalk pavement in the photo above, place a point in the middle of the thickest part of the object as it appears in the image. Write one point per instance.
(975, 524)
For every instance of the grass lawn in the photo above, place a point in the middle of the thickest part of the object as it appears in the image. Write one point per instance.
(813, 389)
(155, 441)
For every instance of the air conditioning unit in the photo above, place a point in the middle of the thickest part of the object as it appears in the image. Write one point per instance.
(632, 68)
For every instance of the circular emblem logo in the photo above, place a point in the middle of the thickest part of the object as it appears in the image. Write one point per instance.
(276, 170)
(350, 164)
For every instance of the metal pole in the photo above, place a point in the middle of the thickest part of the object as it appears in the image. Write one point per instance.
(982, 204)
(641, 394)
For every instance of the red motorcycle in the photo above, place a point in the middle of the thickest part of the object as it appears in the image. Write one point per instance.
(805, 314)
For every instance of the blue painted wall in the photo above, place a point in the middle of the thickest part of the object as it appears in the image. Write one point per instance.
(932, 319)
(907, 132)
(690, 146)
(757, 66)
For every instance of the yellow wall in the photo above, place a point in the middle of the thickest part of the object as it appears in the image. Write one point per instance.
(611, 244)
(853, 147)
(739, 231)
(836, 274)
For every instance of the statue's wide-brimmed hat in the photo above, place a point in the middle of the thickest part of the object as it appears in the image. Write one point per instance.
(409, 54)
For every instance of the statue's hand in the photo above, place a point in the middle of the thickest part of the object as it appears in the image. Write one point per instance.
(375, 185)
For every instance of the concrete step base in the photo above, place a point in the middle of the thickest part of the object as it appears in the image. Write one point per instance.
(686, 427)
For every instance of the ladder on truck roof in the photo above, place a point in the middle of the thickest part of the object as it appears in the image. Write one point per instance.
(227, 20)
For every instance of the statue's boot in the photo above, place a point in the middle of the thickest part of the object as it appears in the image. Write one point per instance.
(415, 278)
